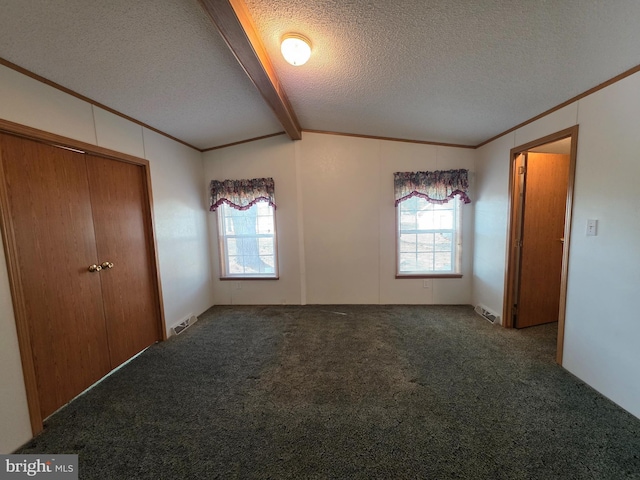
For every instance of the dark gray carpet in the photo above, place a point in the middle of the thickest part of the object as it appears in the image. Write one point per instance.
(363, 392)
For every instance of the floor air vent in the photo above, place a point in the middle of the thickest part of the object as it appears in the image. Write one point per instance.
(184, 324)
(487, 314)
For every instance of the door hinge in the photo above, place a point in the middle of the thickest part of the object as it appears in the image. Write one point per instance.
(521, 170)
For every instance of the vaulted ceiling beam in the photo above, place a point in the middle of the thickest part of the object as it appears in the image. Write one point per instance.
(234, 23)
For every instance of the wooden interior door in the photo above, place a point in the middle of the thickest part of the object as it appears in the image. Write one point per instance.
(119, 202)
(545, 197)
(52, 226)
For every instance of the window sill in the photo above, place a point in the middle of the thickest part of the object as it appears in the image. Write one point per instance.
(430, 275)
(248, 278)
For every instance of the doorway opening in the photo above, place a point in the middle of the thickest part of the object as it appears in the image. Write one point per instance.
(540, 199)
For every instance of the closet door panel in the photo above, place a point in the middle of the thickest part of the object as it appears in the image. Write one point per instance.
(50, 210)
(119, 204)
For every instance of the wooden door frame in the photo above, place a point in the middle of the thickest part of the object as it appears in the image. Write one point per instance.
(512, 256)
(8, 237)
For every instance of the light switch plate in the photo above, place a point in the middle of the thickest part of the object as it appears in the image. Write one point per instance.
(592, 228)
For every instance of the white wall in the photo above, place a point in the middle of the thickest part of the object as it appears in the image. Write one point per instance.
(180, 221)
(340, 181)
(274, 157)
(602, 331)
(490, 236)
(336, 219)
(180, 215)
(602, 334)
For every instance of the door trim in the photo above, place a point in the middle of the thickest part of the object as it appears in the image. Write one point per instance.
(8, 237)
(512, 257)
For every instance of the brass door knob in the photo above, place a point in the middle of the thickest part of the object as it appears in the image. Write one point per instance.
(107, 265)
(95, 268)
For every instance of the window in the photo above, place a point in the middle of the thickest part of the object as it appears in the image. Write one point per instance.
(428, 237)
(428, 217)
(248, 241)
(246, 227)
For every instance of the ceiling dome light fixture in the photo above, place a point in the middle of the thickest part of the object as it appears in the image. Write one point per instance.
(295, 49)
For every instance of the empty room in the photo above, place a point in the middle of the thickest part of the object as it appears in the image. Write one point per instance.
(330, 239)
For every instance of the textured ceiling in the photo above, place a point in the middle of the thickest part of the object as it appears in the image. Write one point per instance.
(455, 71)
(446, 71)
(161, 62)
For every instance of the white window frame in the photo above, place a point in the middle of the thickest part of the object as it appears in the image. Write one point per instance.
(456, 254)
(223, 242)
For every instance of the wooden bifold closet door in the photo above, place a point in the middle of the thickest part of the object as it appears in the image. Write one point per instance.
(119, 212)
(69, 211)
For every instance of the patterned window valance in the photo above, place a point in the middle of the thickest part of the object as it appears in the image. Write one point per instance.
(434, 187)
(242, 194)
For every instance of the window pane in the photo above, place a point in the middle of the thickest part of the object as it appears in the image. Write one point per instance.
(235, 264)
(252, 264)
(408, 242)
(265, 224)
(265, 246)
(232, 246)
(408, 262)
(239, 247)
(443, 219)
(410, 204)
(444, 242)
(425, 242)
(263, 208)
(442, 261)
(426, 220)
(425, 262)
(267, 264)
(228, 225)
(231, 213)
(244, 224)
(408, 221)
